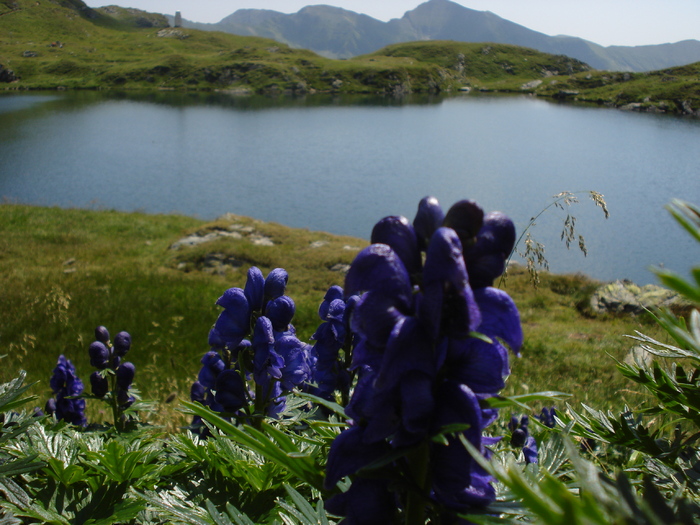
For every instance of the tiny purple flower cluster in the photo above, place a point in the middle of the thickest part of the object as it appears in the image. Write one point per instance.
(330, 373)
(520, 438)
(424, 289)
(253, 336)
(67, 387)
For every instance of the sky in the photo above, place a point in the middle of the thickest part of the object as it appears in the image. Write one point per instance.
(605, 22)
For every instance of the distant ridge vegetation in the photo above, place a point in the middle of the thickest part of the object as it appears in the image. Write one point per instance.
(65, 44)
(338, 33)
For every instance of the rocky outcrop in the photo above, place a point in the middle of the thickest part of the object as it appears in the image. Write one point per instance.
(7, 75)
(625, 297)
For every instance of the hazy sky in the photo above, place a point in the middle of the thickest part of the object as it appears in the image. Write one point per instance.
(605, 22)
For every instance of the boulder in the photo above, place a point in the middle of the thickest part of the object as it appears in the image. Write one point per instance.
(7, 75)
(625, 297)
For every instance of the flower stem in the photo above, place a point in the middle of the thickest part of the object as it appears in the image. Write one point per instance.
(418, 463)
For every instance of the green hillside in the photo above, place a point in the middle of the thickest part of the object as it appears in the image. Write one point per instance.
(64, 44)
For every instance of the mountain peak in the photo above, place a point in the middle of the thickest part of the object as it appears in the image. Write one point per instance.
(338, 33)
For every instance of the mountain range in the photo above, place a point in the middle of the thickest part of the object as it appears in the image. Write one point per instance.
(338, 33)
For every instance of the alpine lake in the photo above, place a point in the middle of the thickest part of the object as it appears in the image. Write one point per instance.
(340, 163)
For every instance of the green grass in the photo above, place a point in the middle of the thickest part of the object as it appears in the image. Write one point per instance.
(64, 272)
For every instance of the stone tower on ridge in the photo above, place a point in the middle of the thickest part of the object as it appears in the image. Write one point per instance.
(178, 19)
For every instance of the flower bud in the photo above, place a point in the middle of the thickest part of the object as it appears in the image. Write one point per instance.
(99, 384)
(428, 219)
(99, 355)
(466, 218)
(398, 233)
(125, 375)
(280, 311)
(102, 334)
(255, 288)
(122, 343)
(276, 283)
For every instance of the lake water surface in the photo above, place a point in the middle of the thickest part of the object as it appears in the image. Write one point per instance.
(340, 164)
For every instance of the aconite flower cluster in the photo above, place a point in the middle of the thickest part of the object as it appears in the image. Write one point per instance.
(431, 334)
(253, 338)
(113, 378)
(67, 403)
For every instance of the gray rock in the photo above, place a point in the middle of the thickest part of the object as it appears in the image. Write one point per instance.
(30, 54)
(531, 85)
(197, 238)
(627, 297)
(7, 75)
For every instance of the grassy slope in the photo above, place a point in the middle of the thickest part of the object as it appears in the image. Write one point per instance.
(112, 51)
(125, 277)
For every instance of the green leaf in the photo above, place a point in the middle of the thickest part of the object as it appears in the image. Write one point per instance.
(20, 466)
(333, 407)
(281, 451)
(521, 400)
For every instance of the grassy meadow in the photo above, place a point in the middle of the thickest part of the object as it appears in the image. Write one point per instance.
(65, 271)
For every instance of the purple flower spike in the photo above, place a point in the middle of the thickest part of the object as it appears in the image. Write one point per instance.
(122, 343)
(255, 288)
(99, 384)
(280, 311)
(398, 233)
(428, 219)
(377, 268)
(276, 283)
(67, 386)
(125, 375)
(102, 334)
(99, 355)
(466, 218)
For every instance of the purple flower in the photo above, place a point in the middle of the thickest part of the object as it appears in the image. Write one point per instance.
(233, 323)
(295, 355)
(125, 375)
(99, 355)
(231, 391)
(99, 384)
(546, 417)
(122, 343)
(276, 283)
(267, 364)
(255, 289)
(212, 366)
(67, 388)
(428, 219)
(327, 369)
(420, 368)
(102, 334)
(366, 502)
(398, 233)
(280, 311)
(486, 259)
